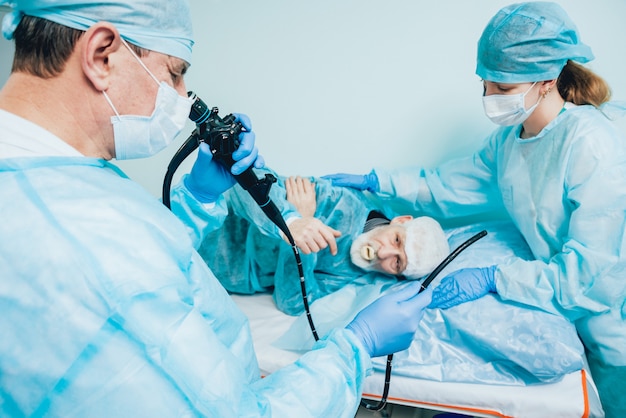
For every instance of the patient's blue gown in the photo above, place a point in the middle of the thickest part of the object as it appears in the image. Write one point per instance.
(247, 254)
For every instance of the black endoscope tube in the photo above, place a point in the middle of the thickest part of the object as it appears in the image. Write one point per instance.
(449, 259)
(200, 114)
(258, 189)
(383, 400)
(183, 152)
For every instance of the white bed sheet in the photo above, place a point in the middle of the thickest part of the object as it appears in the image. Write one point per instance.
(574, 396)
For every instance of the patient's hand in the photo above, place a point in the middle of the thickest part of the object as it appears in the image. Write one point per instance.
(301, 194)
(312, 235)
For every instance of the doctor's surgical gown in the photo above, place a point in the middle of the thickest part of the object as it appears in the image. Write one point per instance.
(565, 190)
(108, 310)
(247, 254)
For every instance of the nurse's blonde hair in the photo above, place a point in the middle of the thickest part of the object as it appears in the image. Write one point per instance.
(581, 86)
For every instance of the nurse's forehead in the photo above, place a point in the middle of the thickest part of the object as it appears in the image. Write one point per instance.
(503, 85)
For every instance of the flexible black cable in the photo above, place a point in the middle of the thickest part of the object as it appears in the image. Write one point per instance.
(259, 190)
(383, 400)
(207, 122)
(183, 152)
(449, 259)
(305, 299)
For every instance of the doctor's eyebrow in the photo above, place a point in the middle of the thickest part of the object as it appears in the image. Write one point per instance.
(178, 66)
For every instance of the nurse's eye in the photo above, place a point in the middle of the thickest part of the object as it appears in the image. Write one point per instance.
(504, 88)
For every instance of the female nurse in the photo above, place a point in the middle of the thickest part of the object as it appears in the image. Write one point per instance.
(557, 165)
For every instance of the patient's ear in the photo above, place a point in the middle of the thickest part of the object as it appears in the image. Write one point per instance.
(97, 45)
(401, 219)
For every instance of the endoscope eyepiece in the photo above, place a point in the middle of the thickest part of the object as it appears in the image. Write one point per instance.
(199, 112)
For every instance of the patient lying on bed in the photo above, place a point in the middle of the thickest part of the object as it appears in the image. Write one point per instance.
(247, 254)
(486, 341)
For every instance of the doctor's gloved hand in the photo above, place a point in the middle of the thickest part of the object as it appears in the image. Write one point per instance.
(209, 179)
(463, 286)
(388, 324)
(367, 182)
(247, 155)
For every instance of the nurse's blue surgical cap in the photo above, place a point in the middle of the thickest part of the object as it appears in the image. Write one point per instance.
(158, 25)
(529, 42)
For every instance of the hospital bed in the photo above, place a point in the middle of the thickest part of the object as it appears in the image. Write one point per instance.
(541, 348)
(573, 396)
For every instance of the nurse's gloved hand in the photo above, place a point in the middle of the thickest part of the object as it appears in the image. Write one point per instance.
(367, 182)
(388, 324)
(463, 286)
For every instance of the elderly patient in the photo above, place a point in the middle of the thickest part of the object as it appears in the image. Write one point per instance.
(343, 235)
(513, 345)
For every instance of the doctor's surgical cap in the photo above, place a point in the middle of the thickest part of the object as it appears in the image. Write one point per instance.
(529, 42)
(157, 25)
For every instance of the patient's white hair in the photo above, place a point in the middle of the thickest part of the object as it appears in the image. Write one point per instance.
(426, 246)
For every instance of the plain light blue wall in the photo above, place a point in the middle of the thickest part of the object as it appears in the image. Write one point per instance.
(347, 85)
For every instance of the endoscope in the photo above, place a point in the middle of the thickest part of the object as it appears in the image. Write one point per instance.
(222, 136)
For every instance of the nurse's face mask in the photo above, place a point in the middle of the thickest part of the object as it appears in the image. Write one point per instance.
(508, 109)
(144, 136)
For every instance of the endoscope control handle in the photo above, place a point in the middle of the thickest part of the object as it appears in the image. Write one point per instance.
(222, 137)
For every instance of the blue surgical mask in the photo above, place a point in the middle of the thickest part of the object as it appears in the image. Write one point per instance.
(144, 136)
(508, 109)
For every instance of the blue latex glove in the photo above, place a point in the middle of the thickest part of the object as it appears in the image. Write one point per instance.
(367, 182)
(388, 324)
(209, 179)
(247, 155)
(463, 286)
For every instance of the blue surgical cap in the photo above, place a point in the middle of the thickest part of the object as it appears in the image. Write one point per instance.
(157, 25)
(529, 42)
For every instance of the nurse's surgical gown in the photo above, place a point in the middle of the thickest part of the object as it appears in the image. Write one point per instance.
(108, 310)
(565, 190)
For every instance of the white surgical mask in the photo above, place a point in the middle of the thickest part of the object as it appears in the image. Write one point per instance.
(144, 136)
(508, 109)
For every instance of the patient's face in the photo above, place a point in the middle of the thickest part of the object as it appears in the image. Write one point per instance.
(381, 249)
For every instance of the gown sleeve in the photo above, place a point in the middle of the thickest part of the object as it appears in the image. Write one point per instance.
(461, 187)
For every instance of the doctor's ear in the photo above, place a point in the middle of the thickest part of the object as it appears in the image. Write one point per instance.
(97, 45)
